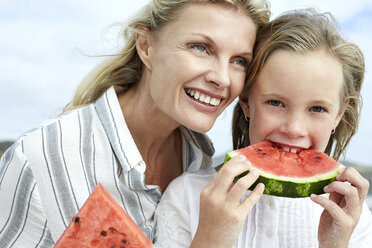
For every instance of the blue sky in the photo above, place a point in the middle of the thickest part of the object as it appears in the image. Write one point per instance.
(46, 47)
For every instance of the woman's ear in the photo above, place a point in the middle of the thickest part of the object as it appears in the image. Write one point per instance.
(244, 105)
(144, 46)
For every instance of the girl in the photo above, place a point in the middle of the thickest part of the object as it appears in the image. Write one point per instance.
(303, 91)
(135, 123)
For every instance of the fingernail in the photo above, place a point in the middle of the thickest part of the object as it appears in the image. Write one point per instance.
(340, 170)
(261, 186)
(325, 188)
(255, 172)
(242, 157)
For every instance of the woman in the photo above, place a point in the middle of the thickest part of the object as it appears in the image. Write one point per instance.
(135, 122)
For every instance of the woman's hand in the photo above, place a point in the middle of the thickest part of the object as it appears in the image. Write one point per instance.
(222, 209)
(343, 208)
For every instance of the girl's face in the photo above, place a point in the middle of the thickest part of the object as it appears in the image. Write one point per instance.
(295, 101)
(197, 63)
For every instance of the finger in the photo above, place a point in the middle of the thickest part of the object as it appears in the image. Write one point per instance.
(223, 181)
(251, 200)
(349, 192)
(241, 186)
(333, 209)
(336, 198)
(352, 176)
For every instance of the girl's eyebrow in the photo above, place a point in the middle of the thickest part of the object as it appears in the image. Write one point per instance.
(274, 95)
(323, 102)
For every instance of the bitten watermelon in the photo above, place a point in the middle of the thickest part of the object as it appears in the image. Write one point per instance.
(289, 174)
(101, 223)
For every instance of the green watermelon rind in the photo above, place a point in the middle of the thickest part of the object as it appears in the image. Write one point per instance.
(289, 187)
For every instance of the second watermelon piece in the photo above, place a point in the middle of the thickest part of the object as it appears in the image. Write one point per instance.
(102, 222)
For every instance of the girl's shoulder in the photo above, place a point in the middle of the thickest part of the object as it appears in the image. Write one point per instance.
(192, 182)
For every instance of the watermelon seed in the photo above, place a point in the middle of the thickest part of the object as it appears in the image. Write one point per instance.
(259, 149)
(123, 241)
(103, 233)
(264, 154)
(318, 158)
(77, 219)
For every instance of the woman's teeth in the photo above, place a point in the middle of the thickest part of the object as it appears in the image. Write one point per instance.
(203, 98)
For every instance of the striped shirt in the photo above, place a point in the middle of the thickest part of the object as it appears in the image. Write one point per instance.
(47, 175)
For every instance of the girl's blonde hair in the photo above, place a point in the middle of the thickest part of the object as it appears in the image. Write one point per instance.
(301, 32)
(124, 69)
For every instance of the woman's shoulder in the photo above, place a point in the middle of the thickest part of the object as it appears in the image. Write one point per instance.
(68, 120)
(201, 141)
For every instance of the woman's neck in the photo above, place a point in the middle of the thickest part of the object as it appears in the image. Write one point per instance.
(156, 135)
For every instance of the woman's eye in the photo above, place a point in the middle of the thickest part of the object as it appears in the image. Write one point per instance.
(199, 47)
(275, 103)
(242, 62)
(317, 109)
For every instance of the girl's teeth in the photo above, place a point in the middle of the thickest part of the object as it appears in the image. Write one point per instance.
(201, 98)
(286, 149)
(192, 93)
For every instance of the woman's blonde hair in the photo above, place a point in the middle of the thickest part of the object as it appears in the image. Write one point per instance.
(303, 31)
(124, 69)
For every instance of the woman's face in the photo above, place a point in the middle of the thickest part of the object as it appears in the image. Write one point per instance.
(198, 63)
(295, 101)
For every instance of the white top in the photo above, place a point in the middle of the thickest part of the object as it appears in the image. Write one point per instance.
(272, 222)
(49, 172)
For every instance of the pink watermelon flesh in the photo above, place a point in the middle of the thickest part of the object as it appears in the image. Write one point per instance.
(102, 222)
(289, 174)
(307, 163)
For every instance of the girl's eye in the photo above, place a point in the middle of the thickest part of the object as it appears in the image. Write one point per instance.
(199, 47)
(275, 103)
(317, 109)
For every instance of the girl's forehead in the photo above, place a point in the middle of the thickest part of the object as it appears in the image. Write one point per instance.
(316, 72)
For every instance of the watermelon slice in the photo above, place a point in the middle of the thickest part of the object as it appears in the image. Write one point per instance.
(102, 222)
(289, 174)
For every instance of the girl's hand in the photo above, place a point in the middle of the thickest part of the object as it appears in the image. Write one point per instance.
(343, 208)
(222, 210)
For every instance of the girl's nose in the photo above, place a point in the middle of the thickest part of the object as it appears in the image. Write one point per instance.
(293, 127)
(219, 74)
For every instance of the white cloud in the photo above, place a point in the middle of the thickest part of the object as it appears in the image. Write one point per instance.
(341, 9)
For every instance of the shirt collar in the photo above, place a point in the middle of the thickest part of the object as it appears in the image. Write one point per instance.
(125, 149)
(111, 116)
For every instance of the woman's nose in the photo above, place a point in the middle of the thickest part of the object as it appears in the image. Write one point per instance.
(218, 74)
